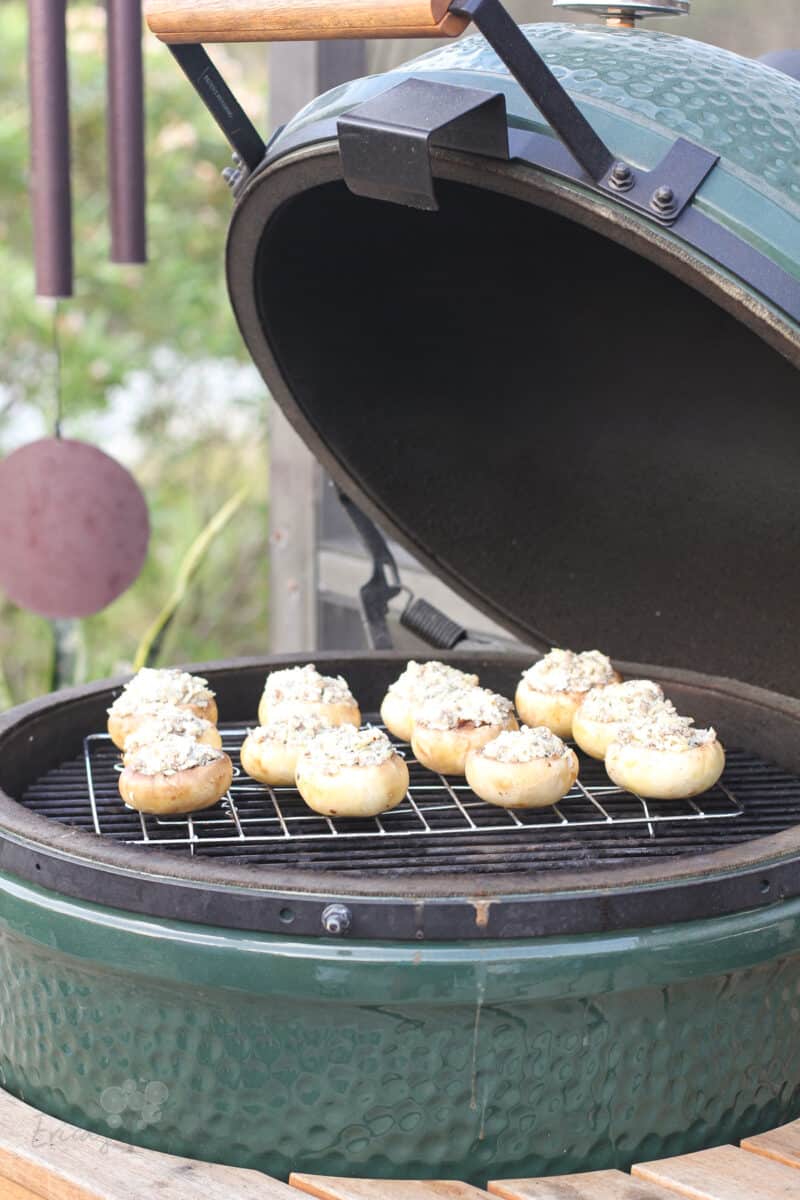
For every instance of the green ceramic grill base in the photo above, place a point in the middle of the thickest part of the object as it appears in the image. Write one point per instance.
(467, 1061)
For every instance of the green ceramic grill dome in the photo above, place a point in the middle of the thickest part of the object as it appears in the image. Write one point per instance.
(640, 90)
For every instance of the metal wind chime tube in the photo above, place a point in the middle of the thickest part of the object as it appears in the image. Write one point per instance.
(50, 179)
(74, 523)
(126, 166)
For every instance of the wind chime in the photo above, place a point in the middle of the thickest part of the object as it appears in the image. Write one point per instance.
(74, 526)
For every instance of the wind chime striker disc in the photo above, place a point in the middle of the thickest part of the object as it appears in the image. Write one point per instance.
(73, 528)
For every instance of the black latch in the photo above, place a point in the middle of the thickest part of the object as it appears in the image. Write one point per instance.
(384, 583)
(425, 620)
(385, 143)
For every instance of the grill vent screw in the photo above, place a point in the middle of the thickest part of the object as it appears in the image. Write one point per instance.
(622, 177)
(336, 919)
(663, 200)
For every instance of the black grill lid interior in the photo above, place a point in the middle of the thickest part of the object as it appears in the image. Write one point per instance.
(581, 444)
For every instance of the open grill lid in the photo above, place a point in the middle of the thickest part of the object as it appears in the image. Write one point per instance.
(574, 397)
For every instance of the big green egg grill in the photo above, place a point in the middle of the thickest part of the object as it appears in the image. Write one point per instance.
(534, 302)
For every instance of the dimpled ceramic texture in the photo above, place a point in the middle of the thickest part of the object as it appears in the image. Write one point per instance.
(641, 90)
(463, 1061)
(728, 103)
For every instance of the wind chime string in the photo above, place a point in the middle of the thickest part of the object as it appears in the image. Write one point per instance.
(57, 388)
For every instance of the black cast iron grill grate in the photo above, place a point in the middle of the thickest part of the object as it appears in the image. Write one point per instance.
(440, 827)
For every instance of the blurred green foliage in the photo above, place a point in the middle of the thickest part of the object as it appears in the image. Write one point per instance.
(152, 363)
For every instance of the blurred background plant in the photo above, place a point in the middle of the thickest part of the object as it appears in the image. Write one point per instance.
(153, 369)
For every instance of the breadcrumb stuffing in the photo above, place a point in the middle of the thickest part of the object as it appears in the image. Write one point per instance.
(159, 720)
(293, 729)
(665, 731)
(566, 671)
(524, 745)
(420, 680)
(305, 684)
(155, 685)
(170, 754)
(630, 701)
(345, 746)
(474, 706)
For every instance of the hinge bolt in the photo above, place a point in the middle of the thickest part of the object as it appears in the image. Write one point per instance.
(663, 200)
(231, 175)
(622, 177)
(336, 919)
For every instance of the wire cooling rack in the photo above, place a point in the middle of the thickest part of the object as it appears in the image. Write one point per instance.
(434, 805)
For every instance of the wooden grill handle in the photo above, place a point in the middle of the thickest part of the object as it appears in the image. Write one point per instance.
(178, 21)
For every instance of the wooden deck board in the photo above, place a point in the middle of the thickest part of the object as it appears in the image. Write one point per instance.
(595, 1185)
(724, 1173)
(44, 1157)
(326, 1187)
(14, 1191)
(782, 1144)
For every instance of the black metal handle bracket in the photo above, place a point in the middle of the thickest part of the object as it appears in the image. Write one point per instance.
(386, 142)
(539, 83)
(662, 193)
(247, 143)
